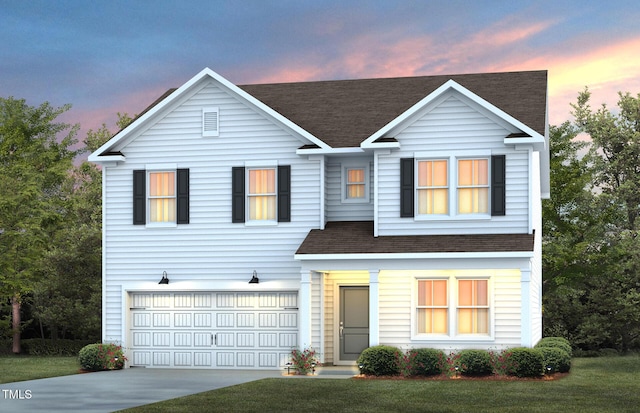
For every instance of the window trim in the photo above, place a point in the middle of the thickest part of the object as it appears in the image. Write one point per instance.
(344, 168)
(452, 308)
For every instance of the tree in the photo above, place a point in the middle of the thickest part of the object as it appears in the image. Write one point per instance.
(35, 155)
(600, 307)
(67, 297)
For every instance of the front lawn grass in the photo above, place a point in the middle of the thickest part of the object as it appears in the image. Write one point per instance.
(608, 384)
(21, 368)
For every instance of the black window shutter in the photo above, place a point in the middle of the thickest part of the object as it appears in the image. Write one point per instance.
(284, 193)
(183, 196)
(139, 197)
(406, 188)
(237, 194)
(498, 195)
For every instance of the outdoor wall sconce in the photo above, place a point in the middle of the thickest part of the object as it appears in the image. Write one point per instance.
(164, 279)
(254, 279)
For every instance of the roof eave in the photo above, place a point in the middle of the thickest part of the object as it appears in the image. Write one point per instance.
(414, 256)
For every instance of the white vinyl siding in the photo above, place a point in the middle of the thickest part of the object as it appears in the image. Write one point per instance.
(457, 125)
(211, 248)
(336, 207)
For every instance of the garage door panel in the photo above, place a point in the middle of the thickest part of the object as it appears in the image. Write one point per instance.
(202, 320)
(213, 329)
(225, 320)
(268, 320)
(162, 320)
(182, 320)
(245, 320)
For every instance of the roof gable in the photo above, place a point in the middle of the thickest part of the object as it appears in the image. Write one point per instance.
(174, 95)
(345, 113)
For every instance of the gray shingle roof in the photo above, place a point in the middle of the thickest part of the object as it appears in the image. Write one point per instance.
(357, 238)
(343, 113)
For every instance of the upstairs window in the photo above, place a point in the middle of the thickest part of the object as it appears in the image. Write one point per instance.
(262, 194)
(473, 186)
(433, 187)
(355, 183)
(162, 197)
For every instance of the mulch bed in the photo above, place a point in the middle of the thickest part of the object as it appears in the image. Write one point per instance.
(442, 377)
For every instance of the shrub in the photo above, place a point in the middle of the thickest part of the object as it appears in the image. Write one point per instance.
(526, 362)
(556, 359)
(379, 361)
(501, 362)
(427, 361)
(60, 347)
(475, 363)
(555, 342)
(304, 361)
(98, 357)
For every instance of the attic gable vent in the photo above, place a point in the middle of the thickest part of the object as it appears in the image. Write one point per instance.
(210, 122)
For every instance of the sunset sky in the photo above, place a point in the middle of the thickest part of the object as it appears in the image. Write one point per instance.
(113, 56)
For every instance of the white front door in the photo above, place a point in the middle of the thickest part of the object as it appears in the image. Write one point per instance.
(212, 329)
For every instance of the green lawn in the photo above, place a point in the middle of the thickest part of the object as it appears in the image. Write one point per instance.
(20, 368)
(594, 385)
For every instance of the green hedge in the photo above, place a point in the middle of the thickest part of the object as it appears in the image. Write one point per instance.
(379, 361)
(525, 362)
(98, 357)
(475, 363)
(556, 342)
(61, 347)
(427, 361)
(555, 359)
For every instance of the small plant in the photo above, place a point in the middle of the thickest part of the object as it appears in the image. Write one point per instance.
(406, 362)
(555, 359)
(501, 362)
(304, 361)
(427, 361)
(98, 357)
(450, 365)
(475, 363)
(527, 362)
(379, 361)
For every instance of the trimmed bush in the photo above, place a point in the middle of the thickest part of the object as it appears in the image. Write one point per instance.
(555, 358)
(555, 342)
(427, 361)
(525, 362)
(475, 363)
(379, 361)
(98, 357)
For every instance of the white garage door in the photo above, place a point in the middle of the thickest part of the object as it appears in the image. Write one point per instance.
(213, 329)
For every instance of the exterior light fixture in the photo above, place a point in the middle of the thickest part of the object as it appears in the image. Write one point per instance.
(164, 279)
(254, 279)
(289, 364)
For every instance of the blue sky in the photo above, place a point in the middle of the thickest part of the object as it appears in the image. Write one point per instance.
(105, 57)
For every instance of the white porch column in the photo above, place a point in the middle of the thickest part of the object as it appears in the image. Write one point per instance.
(526, 318)
(374, 308)
(304, 306)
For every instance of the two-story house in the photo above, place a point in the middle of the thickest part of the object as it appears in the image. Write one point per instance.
(240, 222)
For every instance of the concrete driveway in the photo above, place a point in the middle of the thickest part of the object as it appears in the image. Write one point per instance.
(109, 391)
